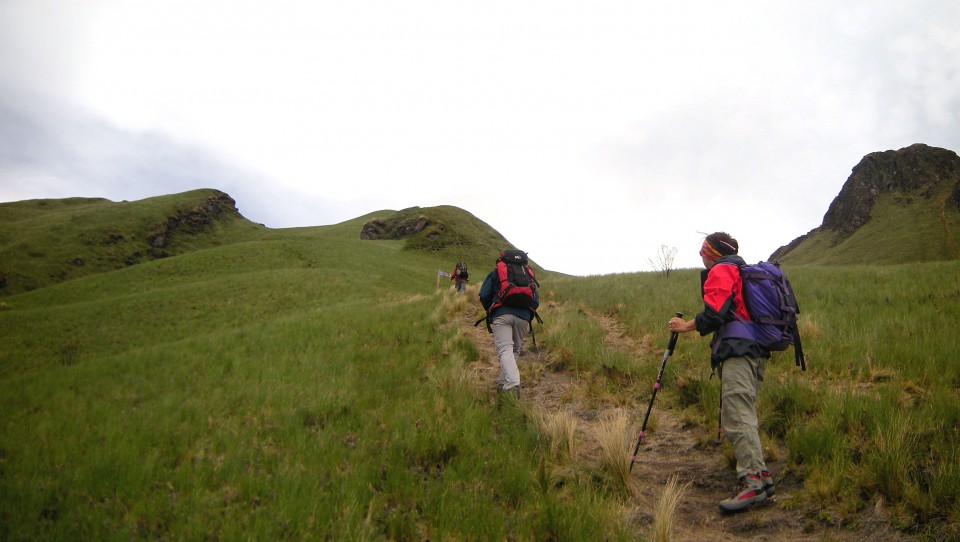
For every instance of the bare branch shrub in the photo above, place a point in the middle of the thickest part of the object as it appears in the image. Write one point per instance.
(663, 263)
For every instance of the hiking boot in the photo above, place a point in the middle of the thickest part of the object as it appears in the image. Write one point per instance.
(767, 480)
(749, 491)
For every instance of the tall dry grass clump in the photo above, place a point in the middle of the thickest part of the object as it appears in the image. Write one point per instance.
(559, 430)
(453, 304)
(614, 462)
(666, 509)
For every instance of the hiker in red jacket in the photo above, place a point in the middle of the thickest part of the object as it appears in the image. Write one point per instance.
(738, 360)
(510, 312)
(460, 275)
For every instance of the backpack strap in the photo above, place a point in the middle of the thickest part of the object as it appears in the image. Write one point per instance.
(798, 350)
(487, 318)
(536, 316)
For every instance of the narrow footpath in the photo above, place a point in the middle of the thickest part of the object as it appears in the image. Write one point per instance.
(671, 450)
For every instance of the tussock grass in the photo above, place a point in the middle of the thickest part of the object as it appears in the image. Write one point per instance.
(452, 303)
(613, 463)
(560, 432)
(666, 508)
(880, 351)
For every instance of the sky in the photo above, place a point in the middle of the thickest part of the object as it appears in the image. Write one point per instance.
(593, 135)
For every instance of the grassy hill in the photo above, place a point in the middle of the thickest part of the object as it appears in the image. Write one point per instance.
(306, 384)
(43, 242)
(904, 228)
(896, 207)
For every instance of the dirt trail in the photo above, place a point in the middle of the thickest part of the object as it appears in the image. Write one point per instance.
(671, 449)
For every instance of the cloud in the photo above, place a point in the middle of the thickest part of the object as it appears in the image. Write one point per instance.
(620, 126)
(48, 151)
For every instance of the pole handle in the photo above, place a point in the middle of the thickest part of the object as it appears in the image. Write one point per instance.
(673, 336)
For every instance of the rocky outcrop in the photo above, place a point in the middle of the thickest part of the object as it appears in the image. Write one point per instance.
(917, 169)
(393, 228)
(193, 220)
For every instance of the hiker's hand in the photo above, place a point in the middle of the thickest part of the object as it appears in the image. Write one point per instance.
(678, 325)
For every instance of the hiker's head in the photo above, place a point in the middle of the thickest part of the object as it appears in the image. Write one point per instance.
(716, 246)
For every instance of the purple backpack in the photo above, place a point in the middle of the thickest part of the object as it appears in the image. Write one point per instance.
(773, 308)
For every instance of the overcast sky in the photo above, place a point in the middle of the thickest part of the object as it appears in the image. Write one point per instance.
(588, 133)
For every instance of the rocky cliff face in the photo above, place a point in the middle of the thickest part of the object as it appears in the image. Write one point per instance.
(912, 169)
(192, 221)
(915, 171)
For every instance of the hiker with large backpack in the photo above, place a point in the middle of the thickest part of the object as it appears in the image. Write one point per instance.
(510, 298)
(461, 275)
(739, 359)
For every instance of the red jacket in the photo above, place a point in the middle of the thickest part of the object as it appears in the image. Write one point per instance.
(722, 292)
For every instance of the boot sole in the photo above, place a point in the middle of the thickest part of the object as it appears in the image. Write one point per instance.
(742, 505)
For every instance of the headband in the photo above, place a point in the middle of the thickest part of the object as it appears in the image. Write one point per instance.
(708, 252)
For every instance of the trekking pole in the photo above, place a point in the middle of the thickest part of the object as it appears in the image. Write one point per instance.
(656, 386)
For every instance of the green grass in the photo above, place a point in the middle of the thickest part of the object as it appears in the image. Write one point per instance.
(902, 228)
(875, 415)
(45, 242)
(298, 386)
(304, 384)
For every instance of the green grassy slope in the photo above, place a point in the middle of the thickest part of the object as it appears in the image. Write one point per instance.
(305, 384)
(903, 228)
(298, 384)
(249, 390)
(452, 233)
(43, 242)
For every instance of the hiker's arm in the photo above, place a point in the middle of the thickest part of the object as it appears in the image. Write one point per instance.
(678, 325)
(717, 299)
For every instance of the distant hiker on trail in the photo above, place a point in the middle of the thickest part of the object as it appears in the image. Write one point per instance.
(460, 275)
(739, 361)
(509, 295)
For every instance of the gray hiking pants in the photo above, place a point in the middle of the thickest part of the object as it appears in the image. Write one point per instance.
(508, 333)
(740, 379)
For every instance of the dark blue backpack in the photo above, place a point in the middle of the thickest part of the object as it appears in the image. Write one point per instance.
(773, 308)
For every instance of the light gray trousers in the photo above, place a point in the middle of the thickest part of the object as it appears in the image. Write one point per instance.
(740, 379)
(508, 333)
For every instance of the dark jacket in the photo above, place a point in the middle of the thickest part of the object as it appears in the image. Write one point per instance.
(488, 294)
(722, 292)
